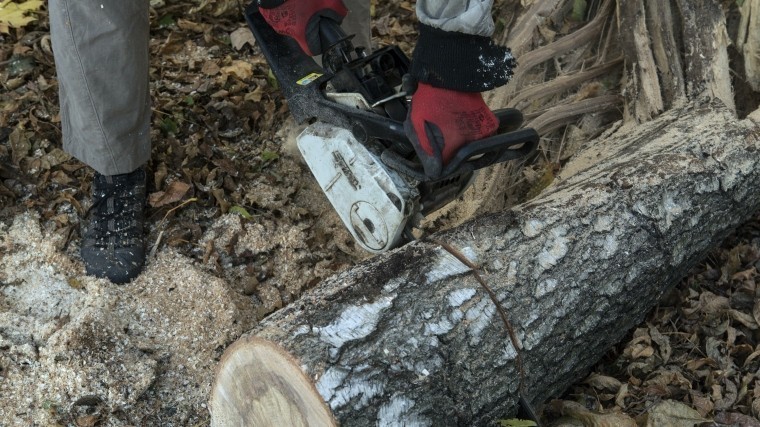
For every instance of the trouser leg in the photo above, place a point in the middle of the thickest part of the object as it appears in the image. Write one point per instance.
(469, 17)
(101, 56)
(358, 22)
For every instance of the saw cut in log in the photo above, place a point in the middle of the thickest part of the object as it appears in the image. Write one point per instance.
(411, 337)
(258, 384)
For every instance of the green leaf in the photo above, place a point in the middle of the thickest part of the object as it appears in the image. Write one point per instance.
(166, 21)
(168, 126)
(240, 211)
(269, 156)
(189, 101)
(272, 80)
(579, 10)
(515, 422)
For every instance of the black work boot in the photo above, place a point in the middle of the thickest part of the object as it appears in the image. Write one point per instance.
(112, 240)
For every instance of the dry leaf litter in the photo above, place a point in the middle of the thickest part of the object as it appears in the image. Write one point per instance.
(238, 229)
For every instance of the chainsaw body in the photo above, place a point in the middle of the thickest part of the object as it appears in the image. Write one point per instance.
(356, 146)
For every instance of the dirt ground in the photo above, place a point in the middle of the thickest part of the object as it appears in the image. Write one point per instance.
(237, 229)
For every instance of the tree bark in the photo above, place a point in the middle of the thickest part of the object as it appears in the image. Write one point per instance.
(706, 50)
(411, 337)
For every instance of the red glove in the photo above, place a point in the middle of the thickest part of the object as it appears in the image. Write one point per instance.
(441, 121)
(299, 19)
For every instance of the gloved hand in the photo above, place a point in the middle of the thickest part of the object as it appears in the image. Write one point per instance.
(299, 19)
(441, 121)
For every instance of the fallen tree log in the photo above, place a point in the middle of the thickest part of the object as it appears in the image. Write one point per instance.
(411, 337)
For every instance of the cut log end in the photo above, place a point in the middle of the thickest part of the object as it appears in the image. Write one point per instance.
(258, 383)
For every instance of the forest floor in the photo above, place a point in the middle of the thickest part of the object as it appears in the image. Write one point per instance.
(237, 229)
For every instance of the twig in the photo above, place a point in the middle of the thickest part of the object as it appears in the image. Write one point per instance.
(563, 83)
(499, 308)
(566, 43)
(560, 115)
(163, 220)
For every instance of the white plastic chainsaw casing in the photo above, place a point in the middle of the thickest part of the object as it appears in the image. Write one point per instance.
(373, 202)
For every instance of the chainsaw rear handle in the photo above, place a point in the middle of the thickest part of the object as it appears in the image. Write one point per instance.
(492, 150)
(510, 144)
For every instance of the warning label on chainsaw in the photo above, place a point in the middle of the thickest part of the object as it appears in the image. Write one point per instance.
(308, 79)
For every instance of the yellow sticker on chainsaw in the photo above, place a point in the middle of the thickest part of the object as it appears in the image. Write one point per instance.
(308, 79)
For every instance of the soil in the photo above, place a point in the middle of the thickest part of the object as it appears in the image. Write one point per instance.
(237, 229)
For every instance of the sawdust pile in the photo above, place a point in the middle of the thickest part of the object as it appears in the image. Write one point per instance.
(75, 348)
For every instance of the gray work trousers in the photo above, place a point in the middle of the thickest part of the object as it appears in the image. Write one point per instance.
(101, 56)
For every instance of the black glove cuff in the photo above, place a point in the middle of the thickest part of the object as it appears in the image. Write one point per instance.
(459, 61)
(269, 4)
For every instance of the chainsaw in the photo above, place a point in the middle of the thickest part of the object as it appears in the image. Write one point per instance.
(356, 103)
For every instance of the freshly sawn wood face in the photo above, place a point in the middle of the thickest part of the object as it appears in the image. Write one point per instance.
(258, 384)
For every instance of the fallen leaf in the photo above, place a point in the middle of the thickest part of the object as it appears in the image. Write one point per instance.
(751, 357)
(756, 311)
(591, 418)
(87, 420)
(673, 414)
(713, 305)
(254, 96)
(240, 69)
(744, 275)
(173, 193)
(642, 352)
(703, 404)
(60, 177)
(669, 378)
(743, 318)
(218, 194)
(736, 419)
(174, 43)
(215, 7)
(663, 342)
(210, 68)
(186, 24)
(603, 382)
(16, 15)
(242, 36)
(726, 397)
(733, 263)
(621, 395)
(20, 145)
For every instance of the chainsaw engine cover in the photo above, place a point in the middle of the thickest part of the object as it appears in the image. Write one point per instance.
(374, 203)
